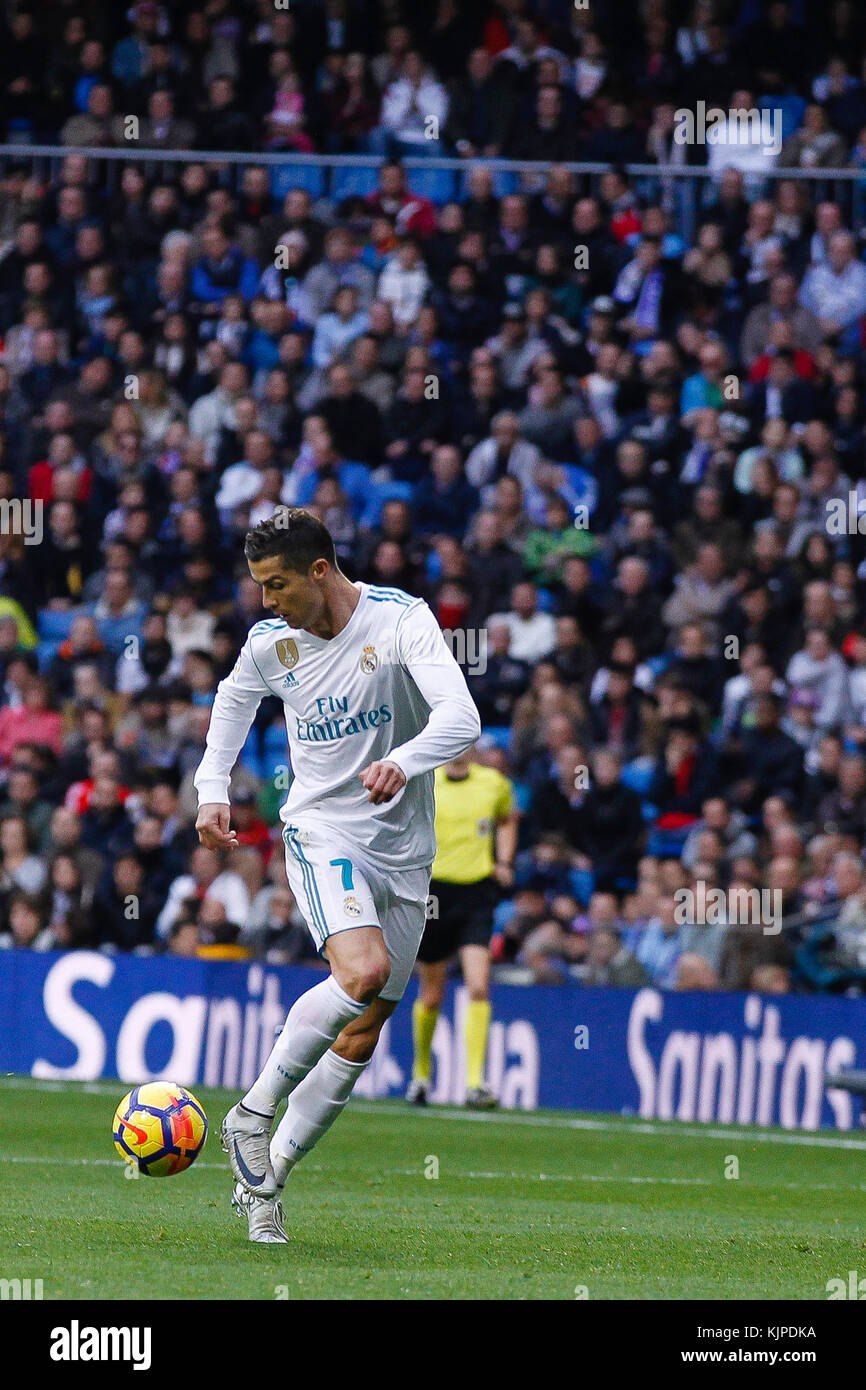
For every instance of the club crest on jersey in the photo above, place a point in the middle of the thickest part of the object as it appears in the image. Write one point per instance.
(351, 906)
(369, 661)
(287, 652)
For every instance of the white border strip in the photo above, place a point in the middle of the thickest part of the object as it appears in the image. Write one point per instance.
(744, 1134)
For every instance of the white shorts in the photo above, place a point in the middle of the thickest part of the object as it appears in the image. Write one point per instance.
(338, 888)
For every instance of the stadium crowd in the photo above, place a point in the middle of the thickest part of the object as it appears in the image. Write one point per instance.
(626, 470)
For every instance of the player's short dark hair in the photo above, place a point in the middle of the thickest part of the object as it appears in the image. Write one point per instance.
(295, 536)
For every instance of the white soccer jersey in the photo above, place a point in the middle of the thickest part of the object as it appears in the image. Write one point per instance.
(385, 687)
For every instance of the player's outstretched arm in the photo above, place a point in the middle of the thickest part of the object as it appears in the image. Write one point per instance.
(234, 709)
(453, 724)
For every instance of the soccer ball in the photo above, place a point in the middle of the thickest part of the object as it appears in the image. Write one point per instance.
(160, 1127)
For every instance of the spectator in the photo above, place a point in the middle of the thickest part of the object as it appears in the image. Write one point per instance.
(222, 270)
(404, 283)
(337, 330)
(818, 669)
(481, 109)
(338, 268)
(658, 950)
(207, 879)
(34, 721)
(815, 145)
(124, 910)
(444, 499)
(608, 825)
(835, 290)
(770, 760)
(533, 633)
(414, 110)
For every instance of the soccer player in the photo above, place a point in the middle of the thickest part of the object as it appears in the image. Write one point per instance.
(374, 701)
(475, 819)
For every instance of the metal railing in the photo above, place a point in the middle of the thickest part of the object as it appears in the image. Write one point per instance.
(685, 190)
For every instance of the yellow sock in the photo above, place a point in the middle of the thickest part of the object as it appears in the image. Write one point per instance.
(477, 1024)
(423, 1027)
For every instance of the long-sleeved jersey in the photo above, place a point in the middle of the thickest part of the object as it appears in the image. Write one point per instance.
(387, 686)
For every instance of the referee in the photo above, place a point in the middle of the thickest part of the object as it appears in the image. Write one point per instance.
(476, 837)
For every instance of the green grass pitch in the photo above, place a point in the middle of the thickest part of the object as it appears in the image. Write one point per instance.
(537, 1206)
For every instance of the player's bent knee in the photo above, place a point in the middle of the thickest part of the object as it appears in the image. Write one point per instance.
(366, 982)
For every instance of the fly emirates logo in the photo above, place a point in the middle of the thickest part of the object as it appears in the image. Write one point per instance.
(335, 722)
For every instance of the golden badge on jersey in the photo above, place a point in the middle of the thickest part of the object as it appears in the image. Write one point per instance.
(287, 652)
(369, 661)
(351, 906)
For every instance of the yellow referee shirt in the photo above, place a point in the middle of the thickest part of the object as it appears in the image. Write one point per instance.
(466, 815)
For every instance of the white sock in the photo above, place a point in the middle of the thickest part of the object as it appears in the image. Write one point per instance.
(313, 1023)
(313, 1107)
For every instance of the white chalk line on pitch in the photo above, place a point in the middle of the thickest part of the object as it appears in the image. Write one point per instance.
(69, 1162)
(652, 1128)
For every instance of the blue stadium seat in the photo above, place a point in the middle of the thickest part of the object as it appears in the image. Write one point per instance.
(667, 844)
(522, 796)
(271, 764)
(600, 570)
(379, 494)
(274, 740)
(439, 185)
(115, 631)
(501, 914)
(659, 664)
(54, 625)
(582, 486)
(500, 734)
(46, 652)
(582, 883)
(638, 775)
(792, 109)
(285, 177)
(353, 182)
(249, 758)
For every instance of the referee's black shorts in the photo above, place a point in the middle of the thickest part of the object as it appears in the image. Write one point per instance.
(465, 918)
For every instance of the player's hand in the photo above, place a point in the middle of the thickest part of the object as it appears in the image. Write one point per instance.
(383, 780)
(212, 824)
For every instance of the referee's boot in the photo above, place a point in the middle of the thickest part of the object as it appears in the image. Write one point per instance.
(479, 1098)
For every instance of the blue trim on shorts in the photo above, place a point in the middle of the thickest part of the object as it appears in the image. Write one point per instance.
(309, 878)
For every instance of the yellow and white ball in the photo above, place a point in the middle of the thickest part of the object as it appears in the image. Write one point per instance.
(160, 1127)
